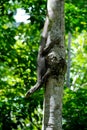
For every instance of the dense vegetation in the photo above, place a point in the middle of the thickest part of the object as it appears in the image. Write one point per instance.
(19, 43)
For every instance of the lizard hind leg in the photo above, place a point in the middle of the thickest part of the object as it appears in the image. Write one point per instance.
(38, 84)
(46, 75)
(33, 89)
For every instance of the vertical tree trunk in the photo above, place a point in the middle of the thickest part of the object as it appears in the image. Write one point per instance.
(52, 119)
(69, 60)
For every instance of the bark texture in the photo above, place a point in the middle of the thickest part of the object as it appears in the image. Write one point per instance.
(55, 60)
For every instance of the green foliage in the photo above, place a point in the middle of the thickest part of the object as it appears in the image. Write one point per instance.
(78, 60)
(75, 109)
(18, 53)
(75, 15)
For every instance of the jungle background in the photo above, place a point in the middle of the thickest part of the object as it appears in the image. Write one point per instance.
(19, 42)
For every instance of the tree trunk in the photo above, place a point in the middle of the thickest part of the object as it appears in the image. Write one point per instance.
(69, 60)
(52, 119)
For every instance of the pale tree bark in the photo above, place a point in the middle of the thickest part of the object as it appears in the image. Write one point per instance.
(69, 60)
(55, 60)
